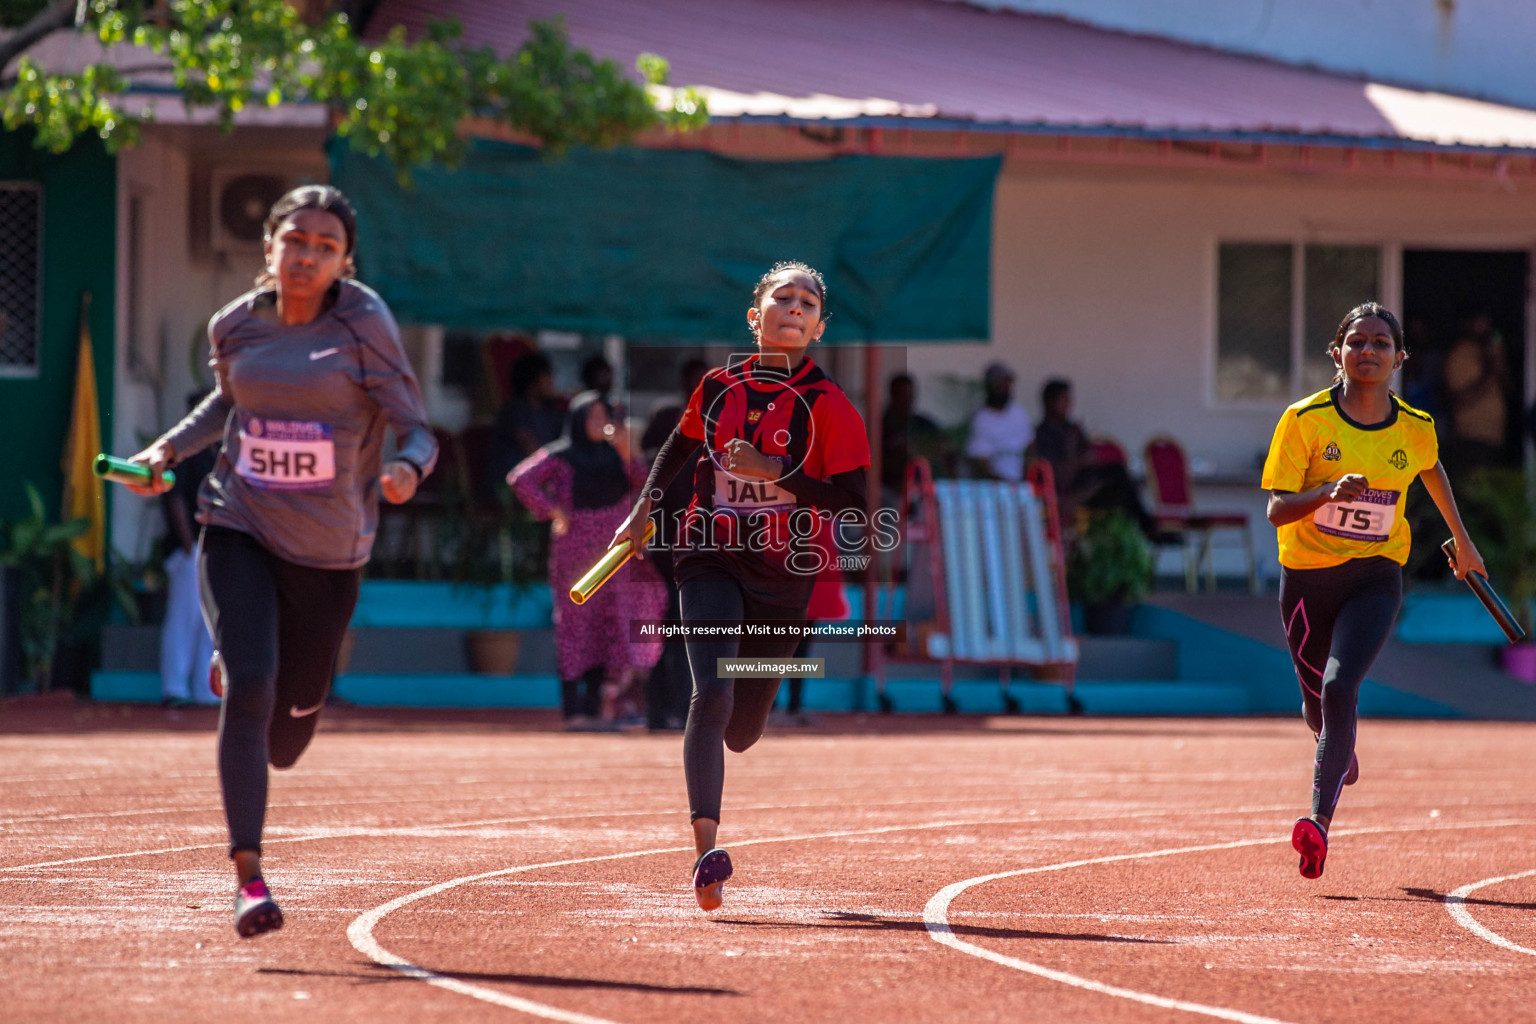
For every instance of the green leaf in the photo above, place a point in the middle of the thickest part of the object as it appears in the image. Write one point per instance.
(394, 97)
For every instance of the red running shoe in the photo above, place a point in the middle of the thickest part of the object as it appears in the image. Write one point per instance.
(256, 912)
(709, 875)
(1310, 840)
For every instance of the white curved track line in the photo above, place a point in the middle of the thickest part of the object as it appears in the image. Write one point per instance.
(935, 917)
(360, 931)
(1456, 904)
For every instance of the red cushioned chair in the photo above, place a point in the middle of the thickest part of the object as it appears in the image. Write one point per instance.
(1174, 509)
(1106, 451)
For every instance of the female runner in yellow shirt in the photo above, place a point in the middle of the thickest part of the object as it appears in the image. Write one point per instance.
(1338, 468)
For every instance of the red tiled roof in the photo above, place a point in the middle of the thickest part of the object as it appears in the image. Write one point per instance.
(938, 60)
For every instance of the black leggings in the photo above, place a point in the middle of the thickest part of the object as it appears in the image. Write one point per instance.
(726, 711)
(277, 628)
(1336, 621)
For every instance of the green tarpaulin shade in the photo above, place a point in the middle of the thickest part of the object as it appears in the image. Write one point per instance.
(665, 246)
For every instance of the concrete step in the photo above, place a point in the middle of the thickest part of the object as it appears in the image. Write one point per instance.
(412, 650)
(1451, 680)
(906, 695)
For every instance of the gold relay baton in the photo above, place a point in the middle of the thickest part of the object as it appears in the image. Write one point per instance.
(121, 471)
(606, 566)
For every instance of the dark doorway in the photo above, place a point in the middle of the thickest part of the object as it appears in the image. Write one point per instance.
(1464, 324)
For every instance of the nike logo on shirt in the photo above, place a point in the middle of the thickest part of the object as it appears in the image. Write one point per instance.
(298, 712)
(323, 353)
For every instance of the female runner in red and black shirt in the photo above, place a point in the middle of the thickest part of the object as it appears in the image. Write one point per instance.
(781, 446)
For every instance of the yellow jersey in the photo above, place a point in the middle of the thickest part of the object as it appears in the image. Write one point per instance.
(1316, 442)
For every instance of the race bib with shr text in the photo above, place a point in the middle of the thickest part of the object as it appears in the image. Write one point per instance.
(1367, 518)
(286, 455)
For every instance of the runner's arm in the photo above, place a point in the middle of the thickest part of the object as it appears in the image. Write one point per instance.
(843, 492)
(1290, 506)
(1439, 487)
(676, 452)
(200, 428)
(389, 380)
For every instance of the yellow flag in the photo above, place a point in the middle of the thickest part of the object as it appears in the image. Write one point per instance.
(83, 496)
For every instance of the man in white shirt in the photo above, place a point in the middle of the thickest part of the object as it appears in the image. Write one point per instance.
(1000, 430)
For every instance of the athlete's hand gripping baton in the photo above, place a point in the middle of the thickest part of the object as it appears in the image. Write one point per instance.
(606, 566)
(121, 471)
(1490, 598)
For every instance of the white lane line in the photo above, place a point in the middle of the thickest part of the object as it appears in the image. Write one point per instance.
(1456, 903)
(379, 831)
(936, 917)
(360, 932)
(572, 798)
(409, 830)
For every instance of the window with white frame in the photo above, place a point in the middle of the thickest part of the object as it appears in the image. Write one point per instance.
(1277, 306)
(21, 213)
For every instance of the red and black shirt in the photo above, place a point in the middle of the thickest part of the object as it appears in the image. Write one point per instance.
(738, 528)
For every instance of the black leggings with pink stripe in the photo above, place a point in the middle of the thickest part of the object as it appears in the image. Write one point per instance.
(1336, 621)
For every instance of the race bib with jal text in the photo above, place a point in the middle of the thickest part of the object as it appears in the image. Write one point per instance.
(746, 497)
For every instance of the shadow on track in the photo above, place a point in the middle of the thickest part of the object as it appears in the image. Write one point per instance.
(377, 973)
(1430, 894)
(1418, 895)
(870, 922)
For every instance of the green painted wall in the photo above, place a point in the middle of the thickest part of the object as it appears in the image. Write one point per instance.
(79, 254)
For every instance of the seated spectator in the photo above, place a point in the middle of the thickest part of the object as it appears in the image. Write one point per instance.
(597, 375)
(529, 419)
(903, 433)
(1479, 388)
(666, 414)
(1081, 481)
(1000, 430)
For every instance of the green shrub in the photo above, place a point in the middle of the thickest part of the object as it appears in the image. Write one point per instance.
(1110, 560)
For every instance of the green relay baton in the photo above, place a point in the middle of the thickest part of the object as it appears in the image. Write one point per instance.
(121, 471)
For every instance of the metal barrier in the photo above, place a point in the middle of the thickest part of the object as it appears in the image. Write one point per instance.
(986, 581)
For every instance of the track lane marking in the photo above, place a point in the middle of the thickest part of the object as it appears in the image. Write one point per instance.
(407, 830)
(1456, 904)
(935, 917)
(360, 931)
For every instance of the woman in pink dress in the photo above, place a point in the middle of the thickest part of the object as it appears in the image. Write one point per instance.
(584, 484)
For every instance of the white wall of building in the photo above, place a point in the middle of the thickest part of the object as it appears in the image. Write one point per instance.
(1472, 47)
(1107, 277)
(1104, 275)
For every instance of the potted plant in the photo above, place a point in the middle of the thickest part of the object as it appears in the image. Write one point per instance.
(1109, 569)
(505, 546)
(1503, 524)
(62, 600)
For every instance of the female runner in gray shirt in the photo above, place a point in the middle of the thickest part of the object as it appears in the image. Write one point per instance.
(310, 372)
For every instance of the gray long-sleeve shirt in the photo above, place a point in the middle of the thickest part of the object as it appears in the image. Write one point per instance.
(302, 411)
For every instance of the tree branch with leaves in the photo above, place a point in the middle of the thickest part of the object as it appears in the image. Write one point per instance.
(395, 97)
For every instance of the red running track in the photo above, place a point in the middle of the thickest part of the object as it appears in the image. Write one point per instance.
(439, 866)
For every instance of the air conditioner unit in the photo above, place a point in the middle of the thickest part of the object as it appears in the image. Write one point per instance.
(239, 198)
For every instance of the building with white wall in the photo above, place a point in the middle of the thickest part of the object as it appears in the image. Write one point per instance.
(1152, 195)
